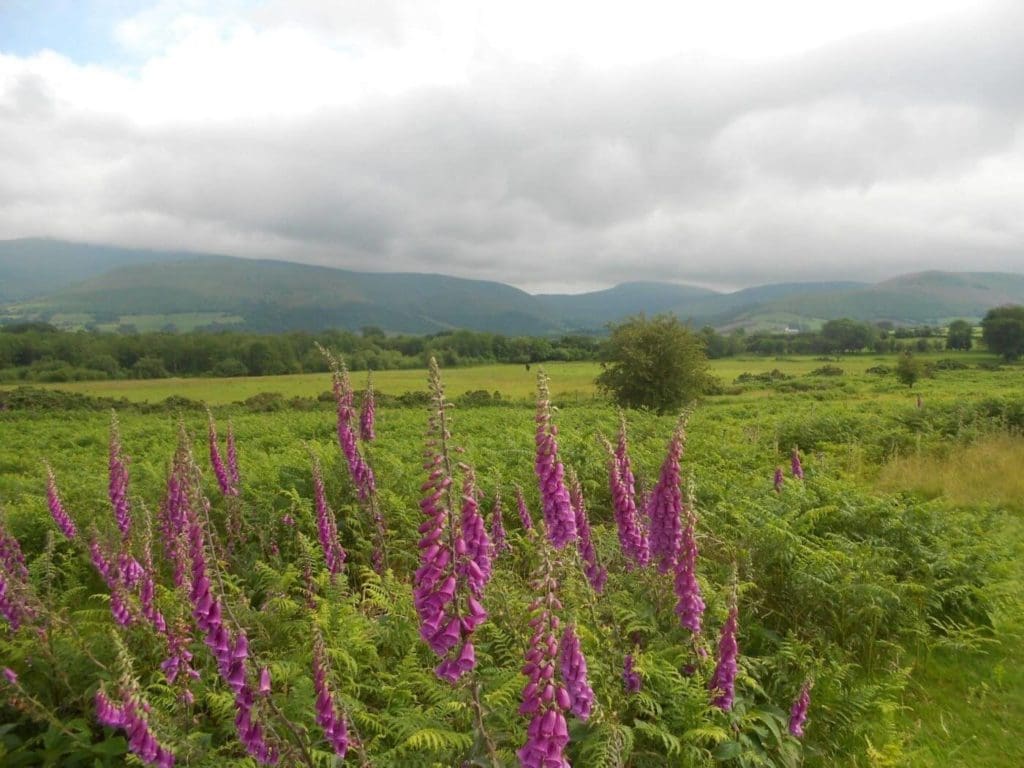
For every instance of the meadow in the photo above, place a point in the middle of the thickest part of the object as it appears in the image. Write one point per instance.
(890, 574)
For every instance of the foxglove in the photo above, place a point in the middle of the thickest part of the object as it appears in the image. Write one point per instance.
(559, 519)
(367, 413)
(545, 700)
(630, 678)
(499, 543)
(798, 712)
(328, 715)
(723, 681)
(523, 510)
(326, 525)
(665, 505)
(130, 717)
(795, 465)
(57, 512)
(778, 480)
(574, 674)
(220, 469)
(596, 574)
(621, 484)
(118, 485)
(689, 605)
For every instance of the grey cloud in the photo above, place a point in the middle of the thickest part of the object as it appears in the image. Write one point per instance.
(841, 163)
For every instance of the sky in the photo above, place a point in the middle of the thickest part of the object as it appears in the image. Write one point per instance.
(554, 146)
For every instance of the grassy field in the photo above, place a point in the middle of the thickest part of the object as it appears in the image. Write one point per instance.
(568, 380)
(869, 450)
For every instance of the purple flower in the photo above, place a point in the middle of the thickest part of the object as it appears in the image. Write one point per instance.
(328, 715)
(12, 560)
(179, 657)
(574, 674)
(524, 512)
(233, 473)
(621, 484)
(327, 526)
(264, 686)
(499, 543)
(367, 413)
(130, 717)
(629, 676)
(778, 480)
(250, 731)
(596, 574)
(455, 562)
(723, 681)
(795, 465)
(798, 712)
(222, 472)
(665, 506)
(559, 518)
(118, 486)
(146, 590)
(689, 605)
(360, 471)
(11, 676)
(545, 700)
(10, 606)
(57, 512)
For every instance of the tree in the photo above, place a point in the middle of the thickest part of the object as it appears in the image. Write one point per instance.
(960, 335)
(908, 369)
(655, 363)
(845, 335)
(1002, 330)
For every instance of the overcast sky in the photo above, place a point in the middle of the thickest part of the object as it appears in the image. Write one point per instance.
(551, 145)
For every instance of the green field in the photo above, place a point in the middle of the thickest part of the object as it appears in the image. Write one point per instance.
(892, 573)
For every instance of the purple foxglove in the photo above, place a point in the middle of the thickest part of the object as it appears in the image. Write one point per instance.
(10, 605)
(360, 471)
(326, 525)
(250, 730)
(778, 480)
(11, 676)
(621, 484)
(131, 718)
(454, 555)
(596, 574)
(574, 674)
(220, 469)
(798, 712)
(118, 486)
(367, 413)
(559, 518)
(795, 465)
(523, 510)
(665, 506)
(690, 604)
(629, 676)
(328, 715)
(12, 561)
(57, 512)
(499, 542)
(545, 700)
(233, 474)
(723, 681)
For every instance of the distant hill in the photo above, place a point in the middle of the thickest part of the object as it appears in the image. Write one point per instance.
(33, 267)
(73, 285)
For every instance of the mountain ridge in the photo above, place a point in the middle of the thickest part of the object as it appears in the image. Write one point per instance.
(76, 285)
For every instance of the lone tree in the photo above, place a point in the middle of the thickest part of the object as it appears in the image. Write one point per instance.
(908, 369)
(1002, 330)
(959, 335)
(655, 363)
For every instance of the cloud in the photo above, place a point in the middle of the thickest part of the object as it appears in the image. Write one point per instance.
(446, 137)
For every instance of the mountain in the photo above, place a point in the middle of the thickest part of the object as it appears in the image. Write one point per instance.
(32, 267)
(75, 285)
(596, 309)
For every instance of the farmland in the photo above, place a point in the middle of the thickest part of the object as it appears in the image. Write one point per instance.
(890, 573)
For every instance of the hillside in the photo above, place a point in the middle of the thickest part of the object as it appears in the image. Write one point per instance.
(73, 285)
(35, 267)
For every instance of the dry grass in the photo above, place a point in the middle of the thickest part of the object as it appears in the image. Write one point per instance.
(990, 471)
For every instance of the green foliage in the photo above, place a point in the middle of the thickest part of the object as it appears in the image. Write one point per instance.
(1002, 330)
(908, 369)
(657, 364)
(836, 581)
(960, 335)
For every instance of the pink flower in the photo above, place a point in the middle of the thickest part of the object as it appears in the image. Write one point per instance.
(559, 518)
(57, 512)
(798, 712)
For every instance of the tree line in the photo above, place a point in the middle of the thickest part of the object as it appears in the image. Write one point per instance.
(41, 352)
